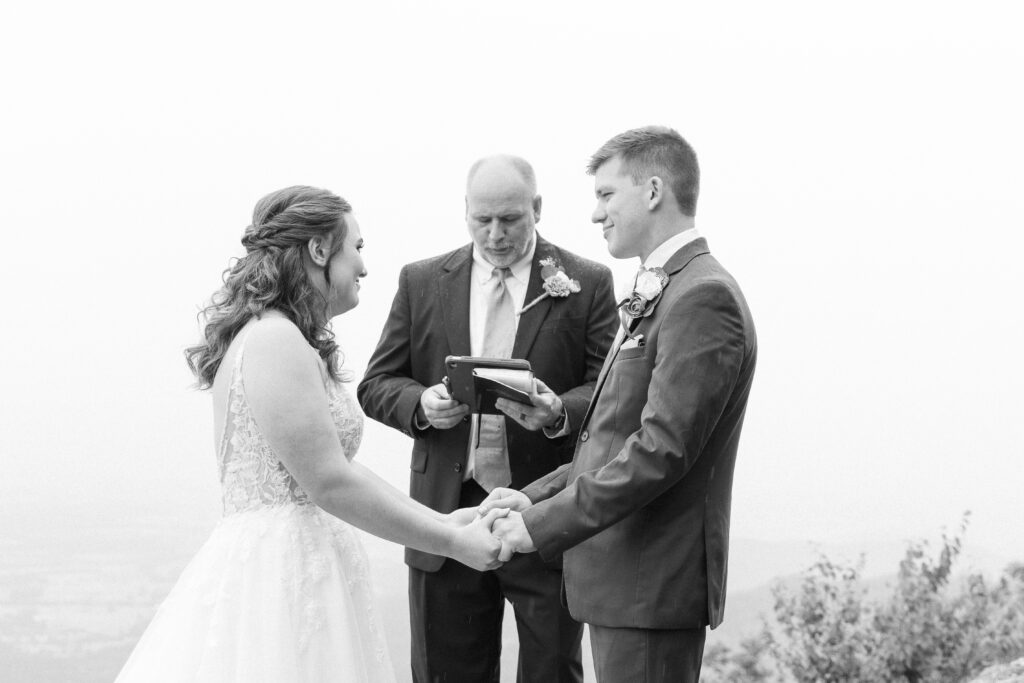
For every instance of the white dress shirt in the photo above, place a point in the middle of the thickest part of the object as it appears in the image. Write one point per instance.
(516, 283)
(663, 252)
(657, 259)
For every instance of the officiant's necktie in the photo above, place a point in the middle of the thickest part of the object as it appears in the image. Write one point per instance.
(490, 457)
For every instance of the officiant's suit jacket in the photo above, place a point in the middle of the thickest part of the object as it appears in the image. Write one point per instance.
(565, 340)
(642, 512)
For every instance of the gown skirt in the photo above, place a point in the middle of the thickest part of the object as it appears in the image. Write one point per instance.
(277, 594)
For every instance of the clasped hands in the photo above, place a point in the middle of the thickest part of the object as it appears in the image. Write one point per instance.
(500, 515)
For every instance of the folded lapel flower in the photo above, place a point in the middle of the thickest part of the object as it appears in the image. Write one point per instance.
(556, 283)
(650, 283)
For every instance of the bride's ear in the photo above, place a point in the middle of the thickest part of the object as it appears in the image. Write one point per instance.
(318, 249)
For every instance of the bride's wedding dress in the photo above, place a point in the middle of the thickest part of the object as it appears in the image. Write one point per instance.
(281, 591)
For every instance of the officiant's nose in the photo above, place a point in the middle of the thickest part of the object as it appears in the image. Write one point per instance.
(496, 233)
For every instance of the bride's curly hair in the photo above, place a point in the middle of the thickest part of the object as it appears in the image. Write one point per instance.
(272, 275)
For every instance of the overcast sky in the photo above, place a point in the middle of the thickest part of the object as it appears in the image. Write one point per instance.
(862, 179)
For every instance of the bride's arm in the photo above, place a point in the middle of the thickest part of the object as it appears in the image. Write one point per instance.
(286, 393)
(399, 497)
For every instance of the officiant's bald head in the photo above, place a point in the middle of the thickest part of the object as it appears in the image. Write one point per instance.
(502, 207)
(503, 163)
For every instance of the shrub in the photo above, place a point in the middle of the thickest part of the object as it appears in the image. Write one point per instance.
(930, 628)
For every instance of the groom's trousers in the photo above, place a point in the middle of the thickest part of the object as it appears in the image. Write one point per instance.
(456, 615)
(640, 655)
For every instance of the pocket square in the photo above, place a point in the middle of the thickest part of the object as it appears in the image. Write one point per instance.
(632, 342)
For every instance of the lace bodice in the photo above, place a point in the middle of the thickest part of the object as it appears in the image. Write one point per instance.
(251, 474)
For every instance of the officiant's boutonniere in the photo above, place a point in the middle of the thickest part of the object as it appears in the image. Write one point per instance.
(650, 283)
(556, 283)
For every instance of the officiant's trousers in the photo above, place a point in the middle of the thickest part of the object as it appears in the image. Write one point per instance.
(456, 614)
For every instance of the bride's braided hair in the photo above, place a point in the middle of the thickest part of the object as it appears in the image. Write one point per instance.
(271, 275)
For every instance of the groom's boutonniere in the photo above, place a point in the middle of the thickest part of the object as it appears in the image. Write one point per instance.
(556, 283)
(650, 283)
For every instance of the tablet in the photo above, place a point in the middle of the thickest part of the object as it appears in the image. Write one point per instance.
(479, 382)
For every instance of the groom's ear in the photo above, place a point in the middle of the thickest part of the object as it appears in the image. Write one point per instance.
(655, 192)
(319, 250)
(536, 208)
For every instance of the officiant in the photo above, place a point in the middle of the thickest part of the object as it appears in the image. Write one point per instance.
(509, 293)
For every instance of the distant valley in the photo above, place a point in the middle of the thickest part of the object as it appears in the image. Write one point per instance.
(74, 600)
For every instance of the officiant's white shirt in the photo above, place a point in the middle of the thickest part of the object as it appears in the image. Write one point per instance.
(516, 282)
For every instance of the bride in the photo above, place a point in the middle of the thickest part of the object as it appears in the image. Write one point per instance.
(281, 590)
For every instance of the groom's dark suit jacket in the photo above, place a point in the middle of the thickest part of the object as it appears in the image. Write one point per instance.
(565, 340)
(642, 512)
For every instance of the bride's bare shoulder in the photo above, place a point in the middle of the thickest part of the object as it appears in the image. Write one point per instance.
(275, 326)
(276, 342)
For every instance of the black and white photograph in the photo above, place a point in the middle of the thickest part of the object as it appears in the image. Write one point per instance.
(468, 342)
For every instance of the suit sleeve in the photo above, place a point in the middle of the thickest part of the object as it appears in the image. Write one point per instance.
(602, 322)
(700, 351)
(388, 393)
(548, 485)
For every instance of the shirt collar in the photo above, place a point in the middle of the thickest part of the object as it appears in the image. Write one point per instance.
(660, 256)
(520, 270)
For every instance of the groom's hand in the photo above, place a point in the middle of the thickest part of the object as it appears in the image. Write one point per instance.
(514, 536)
(440, 409)
(546, 411)
(504, 498)
(462, 516)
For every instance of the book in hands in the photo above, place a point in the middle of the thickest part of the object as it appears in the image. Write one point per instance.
(479, 382)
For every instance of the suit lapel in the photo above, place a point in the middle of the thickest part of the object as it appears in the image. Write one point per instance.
(530, 321)
(690, 251)
(676, 263)
(609, 359)
(453, 293)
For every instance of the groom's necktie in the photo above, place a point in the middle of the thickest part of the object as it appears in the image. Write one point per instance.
(628, 323)
(490, 456)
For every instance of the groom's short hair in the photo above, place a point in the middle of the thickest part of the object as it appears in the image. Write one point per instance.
(655, 151)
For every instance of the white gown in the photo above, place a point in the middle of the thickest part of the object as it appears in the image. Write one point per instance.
(280, 593)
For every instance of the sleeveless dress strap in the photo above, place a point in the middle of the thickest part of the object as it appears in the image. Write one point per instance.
(234, 381)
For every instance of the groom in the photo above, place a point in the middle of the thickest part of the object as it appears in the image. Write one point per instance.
(465, 303)
(642, 511)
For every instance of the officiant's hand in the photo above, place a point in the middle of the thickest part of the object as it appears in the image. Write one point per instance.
(440, 409)
(504, 498)
(514, 536)
(546, 410)
(474, 545)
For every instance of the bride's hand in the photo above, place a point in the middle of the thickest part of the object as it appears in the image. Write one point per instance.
(475, 547)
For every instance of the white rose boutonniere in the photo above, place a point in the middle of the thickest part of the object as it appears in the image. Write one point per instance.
(556, 283)
(650, 283)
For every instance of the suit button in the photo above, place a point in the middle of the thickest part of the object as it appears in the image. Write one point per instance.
(585, 435)
(458, 467)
